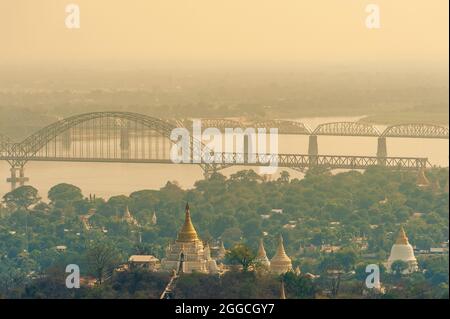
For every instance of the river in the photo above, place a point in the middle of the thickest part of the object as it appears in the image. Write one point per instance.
(110, 179)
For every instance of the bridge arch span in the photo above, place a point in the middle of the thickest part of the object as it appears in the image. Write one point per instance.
(346, 129)
(416, 130)
(6, 146)
(102, 135)
(285, 127)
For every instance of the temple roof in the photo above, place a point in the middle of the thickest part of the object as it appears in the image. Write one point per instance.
(402, 239)
(261, 251)
(280, 255)
(187, 232)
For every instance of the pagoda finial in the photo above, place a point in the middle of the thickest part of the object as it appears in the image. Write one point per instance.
(280, 249)
(261, 250)
(187, 232)
(282, 292)
(402, 239)
(280, 262)
(187, 206)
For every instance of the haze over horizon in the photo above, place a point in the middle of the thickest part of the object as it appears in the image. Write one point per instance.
(202, 33)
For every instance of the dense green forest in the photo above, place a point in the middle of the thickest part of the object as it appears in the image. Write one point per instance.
(359, 214)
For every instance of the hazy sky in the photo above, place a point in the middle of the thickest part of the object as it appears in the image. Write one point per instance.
(227, 31)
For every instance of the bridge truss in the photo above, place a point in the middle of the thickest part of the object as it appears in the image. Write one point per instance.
(285, 127)
(416, 130)
(135, 138)
(346, 129)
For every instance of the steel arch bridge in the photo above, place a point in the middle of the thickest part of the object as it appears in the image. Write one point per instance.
(5, 146)
(100, 136)
(416, 130)
(218, 123)
(127, 137)
(285, 127)
(346, 129)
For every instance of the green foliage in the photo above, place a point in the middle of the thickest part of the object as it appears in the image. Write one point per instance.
(398, 267)
(101, 258)
(64, 193)
(240, 254)
(326, 210)
(22, 197)
(298, 287)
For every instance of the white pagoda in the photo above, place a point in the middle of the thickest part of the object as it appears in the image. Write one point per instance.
(402, 250)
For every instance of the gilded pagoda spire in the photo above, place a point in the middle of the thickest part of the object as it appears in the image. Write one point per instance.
(402, 239)
(280, 263)
(281, 253)
(187, 232)
(261, 250)
(282, 291)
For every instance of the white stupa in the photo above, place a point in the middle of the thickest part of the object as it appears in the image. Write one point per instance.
(261, 258)
(402, 250)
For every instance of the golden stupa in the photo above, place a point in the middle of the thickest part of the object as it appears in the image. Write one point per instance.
(402, 239)
(280, 263)
(187, 232)
(188, 253)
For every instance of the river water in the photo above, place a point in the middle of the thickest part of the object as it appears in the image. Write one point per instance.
(110, 179)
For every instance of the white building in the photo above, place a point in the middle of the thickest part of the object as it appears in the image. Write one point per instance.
(402, 250)
(144, 261)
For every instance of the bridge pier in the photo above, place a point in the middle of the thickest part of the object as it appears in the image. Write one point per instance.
(382, 151)
(14, 179)
(313, 149)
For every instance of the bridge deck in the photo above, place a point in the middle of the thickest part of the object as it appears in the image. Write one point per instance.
(299, 161)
